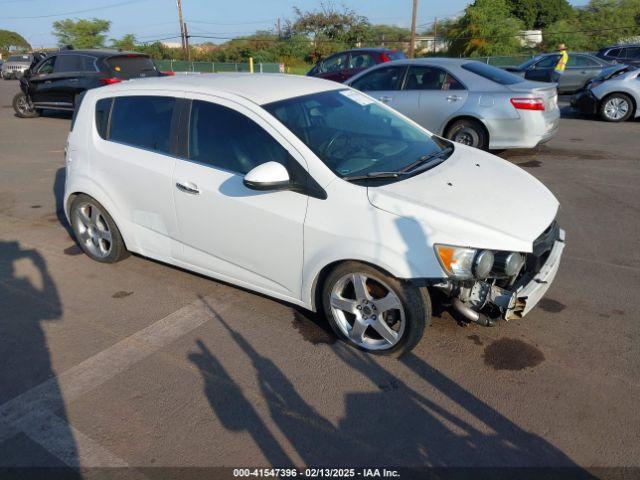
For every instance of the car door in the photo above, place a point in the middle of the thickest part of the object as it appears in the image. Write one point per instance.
(134, 162)
(72, 75)
(40, 82)
(382, 83)
(430, 96)
(252, 238)
(541, 70)
(580, 69)
(335, 67)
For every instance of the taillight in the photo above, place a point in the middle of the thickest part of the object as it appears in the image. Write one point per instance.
(168, 72)
(384, 57)
(528, 103)
(110, 80)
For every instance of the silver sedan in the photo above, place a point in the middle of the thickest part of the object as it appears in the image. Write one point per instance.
(466, 101)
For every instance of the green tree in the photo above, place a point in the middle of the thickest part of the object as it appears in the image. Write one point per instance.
(81, 33)
(539, 14)
(12, 40)
(486, 28)
(127, 42)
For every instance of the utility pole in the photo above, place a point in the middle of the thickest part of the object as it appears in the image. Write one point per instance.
(183, 36)
(279, 31)
(435, 34)
(413, 28)
(186, 42)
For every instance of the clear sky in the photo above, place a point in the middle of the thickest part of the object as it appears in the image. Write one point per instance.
(154, 19)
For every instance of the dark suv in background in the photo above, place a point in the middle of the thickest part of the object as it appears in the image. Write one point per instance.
(628, 54)
(57, 80)
(344, 65)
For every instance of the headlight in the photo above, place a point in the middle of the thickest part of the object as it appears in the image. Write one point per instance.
(508, 263)
(465, 263)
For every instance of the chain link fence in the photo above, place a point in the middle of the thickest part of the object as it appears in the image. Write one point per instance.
(503, 61)
(214, 67)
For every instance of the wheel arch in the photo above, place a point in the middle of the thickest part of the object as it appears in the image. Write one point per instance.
(466, 116)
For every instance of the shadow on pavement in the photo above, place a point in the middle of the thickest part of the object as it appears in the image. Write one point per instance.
(392, 426)
(28, 299)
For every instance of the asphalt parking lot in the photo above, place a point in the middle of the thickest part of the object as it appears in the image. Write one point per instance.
(141, 364)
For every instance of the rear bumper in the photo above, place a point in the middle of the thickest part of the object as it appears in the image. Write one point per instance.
(528, 131)
(585, 101)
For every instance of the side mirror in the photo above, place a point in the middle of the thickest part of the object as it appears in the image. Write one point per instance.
(268, 176)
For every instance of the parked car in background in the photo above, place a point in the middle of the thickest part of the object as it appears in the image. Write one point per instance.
(614, 95)
(343, 65)
(15, 66)
(57, 81)
(311, 192)
(466, 101)
(627, 54)
(581, 68)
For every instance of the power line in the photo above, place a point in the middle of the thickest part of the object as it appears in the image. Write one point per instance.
(61, 14)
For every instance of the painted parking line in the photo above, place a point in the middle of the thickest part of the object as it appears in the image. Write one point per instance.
(32, 411)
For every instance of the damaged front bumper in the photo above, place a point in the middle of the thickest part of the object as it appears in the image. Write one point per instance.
(516, 304)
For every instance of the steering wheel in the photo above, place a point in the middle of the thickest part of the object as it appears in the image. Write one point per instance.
(332, 140)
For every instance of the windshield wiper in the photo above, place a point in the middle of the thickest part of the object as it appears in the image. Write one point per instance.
(372, 175)
(426, 159)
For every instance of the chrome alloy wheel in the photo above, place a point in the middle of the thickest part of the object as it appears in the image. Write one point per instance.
(24, 106)
(93, 229)
(616, 108)
(367, 311)
(466, 136)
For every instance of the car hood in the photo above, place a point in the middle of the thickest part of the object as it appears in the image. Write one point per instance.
(472, 199)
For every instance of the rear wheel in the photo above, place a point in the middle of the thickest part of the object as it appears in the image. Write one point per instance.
(617, 107)
(468, 132)
(95, 231)
(23, 106)
(374, 311)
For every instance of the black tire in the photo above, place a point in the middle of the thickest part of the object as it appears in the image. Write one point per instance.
(608, 115)
(99, 224)
(468, 132)
(23, 107)
(415, 303)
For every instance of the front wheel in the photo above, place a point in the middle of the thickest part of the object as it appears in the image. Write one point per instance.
(374, 311)
(617, 107)
(23, 106)
(468, 132)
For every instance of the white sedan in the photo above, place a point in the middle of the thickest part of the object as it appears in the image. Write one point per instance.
(311, 192)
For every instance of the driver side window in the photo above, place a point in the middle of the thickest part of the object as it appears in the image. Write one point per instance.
(335, 63)
(226, 139)
(387, 78)
(548, 62)
(47, 67)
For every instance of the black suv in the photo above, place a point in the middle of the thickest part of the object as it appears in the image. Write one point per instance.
(57, 80)
(628, 54)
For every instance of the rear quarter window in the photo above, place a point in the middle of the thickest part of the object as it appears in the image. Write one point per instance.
(103, 110)
(494, 74)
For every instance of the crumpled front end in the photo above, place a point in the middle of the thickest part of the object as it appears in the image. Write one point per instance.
(510, 298)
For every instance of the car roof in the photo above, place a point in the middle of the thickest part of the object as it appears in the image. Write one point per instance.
(260, 88)
(99, 52)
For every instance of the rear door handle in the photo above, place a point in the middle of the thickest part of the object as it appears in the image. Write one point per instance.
(188, 187)
(74, 80)
(385, 99)
(453, 98)
(47, 81)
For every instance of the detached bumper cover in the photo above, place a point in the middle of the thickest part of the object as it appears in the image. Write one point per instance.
(585, 101)
(528, 296)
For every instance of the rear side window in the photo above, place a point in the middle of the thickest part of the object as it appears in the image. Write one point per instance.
(142, 121)
(132, 66)
(361, 60)
(75, 63)
(430, 78)
(226, 139)
(633, 52)
(386, 78)
(492, 73)
(103, 109)
(334, 64)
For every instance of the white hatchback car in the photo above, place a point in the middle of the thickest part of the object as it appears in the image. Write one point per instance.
(311, 192)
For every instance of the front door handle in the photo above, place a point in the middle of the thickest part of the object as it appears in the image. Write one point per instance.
(47, 81)
(385, 99)
(188, 187)
(453, 98)
(73, 80)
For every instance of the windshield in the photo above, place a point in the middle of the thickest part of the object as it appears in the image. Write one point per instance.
(354, 135)
(492, 73)
(19, 58)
